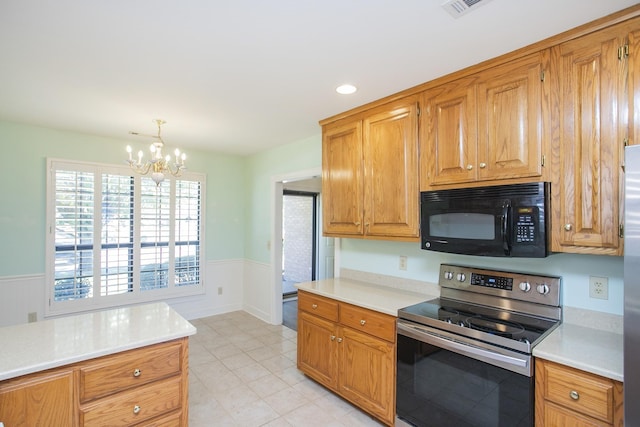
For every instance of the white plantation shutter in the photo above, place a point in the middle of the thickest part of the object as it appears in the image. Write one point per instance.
(115, 237)
(116, 256)
(187, 233)
(74, 228)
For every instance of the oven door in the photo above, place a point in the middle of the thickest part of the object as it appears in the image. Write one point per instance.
(447, 382)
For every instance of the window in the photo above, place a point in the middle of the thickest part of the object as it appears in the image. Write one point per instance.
(115, 238)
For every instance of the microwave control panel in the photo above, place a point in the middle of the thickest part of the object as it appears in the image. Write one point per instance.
(525, 224)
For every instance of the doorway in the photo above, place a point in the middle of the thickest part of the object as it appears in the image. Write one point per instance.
(299, 239)
(302, 181)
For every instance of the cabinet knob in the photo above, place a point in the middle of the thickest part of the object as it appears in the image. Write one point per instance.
(333, 337)
(567, 227)
(136, 409)
(314, 306)
(469, 167)
(339, 339)
(362, 322)
(574, 395)
(483, 165)
(357, 223)
(137, 372)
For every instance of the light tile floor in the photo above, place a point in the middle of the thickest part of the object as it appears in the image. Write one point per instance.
(242, 372)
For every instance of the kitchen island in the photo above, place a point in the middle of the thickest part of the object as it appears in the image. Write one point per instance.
(119, 366)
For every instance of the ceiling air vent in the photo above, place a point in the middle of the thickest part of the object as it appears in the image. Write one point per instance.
(457, 8)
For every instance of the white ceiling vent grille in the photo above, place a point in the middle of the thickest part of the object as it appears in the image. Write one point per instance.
(457, 8)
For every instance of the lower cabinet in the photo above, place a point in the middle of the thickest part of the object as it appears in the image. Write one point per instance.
(349, 350)
(570, 397)
(39, 400)
(147, 386)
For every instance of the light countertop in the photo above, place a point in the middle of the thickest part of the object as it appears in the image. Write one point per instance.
(374, 297)
(591, 350)
(33, 347)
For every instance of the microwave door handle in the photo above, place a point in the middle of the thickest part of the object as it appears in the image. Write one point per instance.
(505, 220)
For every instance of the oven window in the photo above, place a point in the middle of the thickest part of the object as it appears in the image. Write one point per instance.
(463, 226)
(436, 387)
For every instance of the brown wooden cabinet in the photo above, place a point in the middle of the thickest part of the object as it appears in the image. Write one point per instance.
(569, 397)
(349, 350)
(145, 386)
(40, 399)
(370, 173)
(591, 124)
(489, 126)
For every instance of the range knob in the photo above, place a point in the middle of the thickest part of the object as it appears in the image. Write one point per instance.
(543, 288)
(461, 277)
(448, 275)
(525, 286)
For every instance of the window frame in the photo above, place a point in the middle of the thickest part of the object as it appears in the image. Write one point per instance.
(98, 301)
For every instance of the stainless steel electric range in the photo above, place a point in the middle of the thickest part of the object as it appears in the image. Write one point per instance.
(464, 359)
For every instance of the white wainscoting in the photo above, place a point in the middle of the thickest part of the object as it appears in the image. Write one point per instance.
(19, 296)
(226, 290)
(258, 290)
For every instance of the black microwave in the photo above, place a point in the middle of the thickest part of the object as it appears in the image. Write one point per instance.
(498, 221)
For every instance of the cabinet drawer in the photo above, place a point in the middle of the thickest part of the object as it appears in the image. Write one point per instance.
(318, 306)
(170, 420)
(368, 321)
(129, 369)
(134, 406)
(580, 391)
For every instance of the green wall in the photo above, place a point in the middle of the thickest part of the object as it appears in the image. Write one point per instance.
(261, 168)
(23, 192)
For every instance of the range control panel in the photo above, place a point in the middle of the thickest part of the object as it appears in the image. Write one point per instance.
(528, 287)
(492, 281)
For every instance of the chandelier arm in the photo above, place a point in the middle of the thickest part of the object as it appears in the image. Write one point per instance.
(142, 169)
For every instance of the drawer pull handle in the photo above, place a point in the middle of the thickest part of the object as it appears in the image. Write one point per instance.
(137, 372)
(136, 409)
(362, 322)
(314, 306)
(574, 395)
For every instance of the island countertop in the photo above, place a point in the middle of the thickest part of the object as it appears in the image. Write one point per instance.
(34, 347)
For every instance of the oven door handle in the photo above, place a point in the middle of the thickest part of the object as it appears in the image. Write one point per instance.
(470, 350)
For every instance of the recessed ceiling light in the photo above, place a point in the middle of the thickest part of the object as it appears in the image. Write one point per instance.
(346, 89)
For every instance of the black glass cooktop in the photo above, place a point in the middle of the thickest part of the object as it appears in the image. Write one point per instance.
(476, 320)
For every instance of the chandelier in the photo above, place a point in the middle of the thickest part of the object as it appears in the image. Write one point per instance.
(158, 165)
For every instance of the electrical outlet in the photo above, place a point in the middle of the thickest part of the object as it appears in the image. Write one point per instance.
(32, 317)
(598, 287)
(220, 290)
(403, 262)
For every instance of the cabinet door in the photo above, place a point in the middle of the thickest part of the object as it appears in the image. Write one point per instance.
(390, 147)
(342, 179)
(39, 400)
(367, 373)
(317, 351)
(510, 120)
(592, 126)
(449, 134)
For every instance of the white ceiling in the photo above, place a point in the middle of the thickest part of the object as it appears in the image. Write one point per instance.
(240, 76)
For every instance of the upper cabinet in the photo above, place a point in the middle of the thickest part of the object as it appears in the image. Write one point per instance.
(591, 124)
(488, 126)
(370, 173)
(560, 110)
